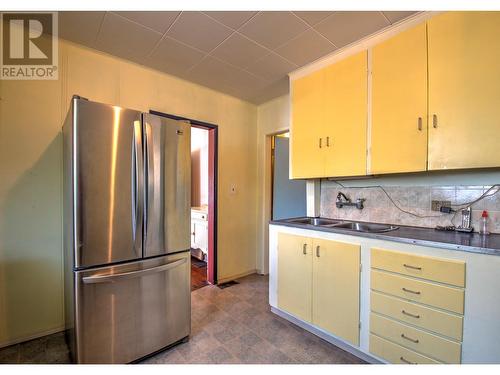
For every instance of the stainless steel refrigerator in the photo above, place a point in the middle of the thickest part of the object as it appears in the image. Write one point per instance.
(127, 204)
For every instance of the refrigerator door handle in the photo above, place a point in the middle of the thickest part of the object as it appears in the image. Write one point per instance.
(110, 278)
(149, 188)
(137, 188)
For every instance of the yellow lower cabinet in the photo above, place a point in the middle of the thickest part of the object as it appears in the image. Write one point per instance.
(394, 353)
(441, 296)
(335, 289)
(441, 322)
(295, 275)
(425, 343)
(447, 271)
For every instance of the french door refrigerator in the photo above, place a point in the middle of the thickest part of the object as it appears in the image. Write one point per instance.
(127, 178)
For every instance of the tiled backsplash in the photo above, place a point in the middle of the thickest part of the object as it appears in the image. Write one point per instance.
(378, 208)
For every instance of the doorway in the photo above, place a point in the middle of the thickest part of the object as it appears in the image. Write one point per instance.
(288, 197)
(204, 169)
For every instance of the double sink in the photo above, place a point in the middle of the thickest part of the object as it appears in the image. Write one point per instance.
(340, 224)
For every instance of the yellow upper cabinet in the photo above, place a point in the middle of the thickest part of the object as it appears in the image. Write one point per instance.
(464, 90)
(307, 160)
(345, 121)
(329, 108)
(399, 103)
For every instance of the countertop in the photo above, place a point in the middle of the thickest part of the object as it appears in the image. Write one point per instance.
(470, 242)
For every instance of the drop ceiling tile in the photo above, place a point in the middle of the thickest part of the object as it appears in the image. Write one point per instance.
(273, 29)
(271, 67)
(214, 73)
(173, 57)
(158, 21)
(231, 19)
(305, 48)
(239, 50)
(274, 90)
(126, 39)
(198, 30)
(394, 17)
(80, 27)
(312, 17)
(342, 28)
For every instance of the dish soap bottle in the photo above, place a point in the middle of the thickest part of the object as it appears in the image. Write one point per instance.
(483, 226)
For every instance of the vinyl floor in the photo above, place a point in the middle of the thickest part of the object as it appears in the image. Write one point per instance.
(231, 325)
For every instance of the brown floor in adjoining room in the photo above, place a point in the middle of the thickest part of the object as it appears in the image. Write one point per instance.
(231, 325)
(198, 274)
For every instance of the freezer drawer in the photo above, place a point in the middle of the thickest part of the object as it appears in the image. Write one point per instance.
(128, 311)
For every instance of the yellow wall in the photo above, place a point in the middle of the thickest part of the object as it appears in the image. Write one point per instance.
(31, 115)
(273, 117)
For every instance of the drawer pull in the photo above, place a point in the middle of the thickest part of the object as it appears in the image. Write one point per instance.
(406, 361)
(304, 249)
(317, 251)
(409, 314)
(412, 267)
(409, 291)
(409, 338)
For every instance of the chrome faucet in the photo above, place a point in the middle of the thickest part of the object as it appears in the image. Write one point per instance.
(343, 200)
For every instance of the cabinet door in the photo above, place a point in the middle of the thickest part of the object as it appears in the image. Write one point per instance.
(295, 275)
(336, 288)
(199, 235)
(399, 103)
(307, 160)
(464, 82)
(345, 120)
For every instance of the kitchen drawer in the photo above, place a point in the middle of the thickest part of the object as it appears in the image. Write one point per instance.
(441, 296)
(394, 353)
(198, 215)
(425, 343)
(445, 271)
(441, 322)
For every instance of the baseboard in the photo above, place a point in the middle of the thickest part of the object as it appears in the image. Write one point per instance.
(325, 336)
(234, 277)
(31, 337)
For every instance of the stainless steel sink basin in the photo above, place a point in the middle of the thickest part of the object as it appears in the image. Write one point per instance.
(354, 226)
(315, 221)
(367, 227)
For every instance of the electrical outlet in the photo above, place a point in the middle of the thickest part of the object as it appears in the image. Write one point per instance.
(436, 205)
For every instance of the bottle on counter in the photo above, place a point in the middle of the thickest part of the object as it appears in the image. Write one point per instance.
(483, 224)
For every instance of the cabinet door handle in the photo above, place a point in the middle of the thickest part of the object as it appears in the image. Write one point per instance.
(327, 141)
(317, 251)
(409, 338)
(409, 291)
(412, 267)
(320, 142)
(419, 124)
(406, 361)
(304, 249)
(434, 121)
(409, 314)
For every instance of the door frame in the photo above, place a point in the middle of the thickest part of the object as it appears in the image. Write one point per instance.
(213, 173)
